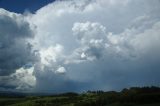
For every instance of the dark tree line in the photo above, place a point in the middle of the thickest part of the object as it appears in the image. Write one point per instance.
(127, 97)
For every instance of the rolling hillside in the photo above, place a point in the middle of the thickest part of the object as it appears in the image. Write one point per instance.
(135, 96)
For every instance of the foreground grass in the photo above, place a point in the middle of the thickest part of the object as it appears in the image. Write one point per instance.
(127, 97)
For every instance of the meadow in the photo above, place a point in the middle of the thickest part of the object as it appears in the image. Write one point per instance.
(135, 96)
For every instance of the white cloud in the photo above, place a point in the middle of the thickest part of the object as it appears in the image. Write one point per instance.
(61, 70)
(50, 54)
(96, 41)
(92, 39)
(21, 80)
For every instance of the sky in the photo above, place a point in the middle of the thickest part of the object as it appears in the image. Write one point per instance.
(20, 6)
(79, 45)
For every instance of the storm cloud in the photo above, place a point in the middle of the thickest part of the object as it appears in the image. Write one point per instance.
(81, 45)
(15, 50)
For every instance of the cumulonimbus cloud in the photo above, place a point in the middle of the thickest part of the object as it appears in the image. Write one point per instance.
(81, 45)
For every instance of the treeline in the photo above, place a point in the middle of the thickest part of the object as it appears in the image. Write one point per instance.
(131, 96)
(134, 96)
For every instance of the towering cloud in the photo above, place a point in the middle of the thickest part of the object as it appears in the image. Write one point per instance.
(81, 45)
(15, 49)
(16, 54)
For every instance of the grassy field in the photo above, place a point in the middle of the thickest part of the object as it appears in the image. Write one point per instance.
(62, 101)
(127, 97)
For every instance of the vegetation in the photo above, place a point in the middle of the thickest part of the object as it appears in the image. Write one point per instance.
(135, 96)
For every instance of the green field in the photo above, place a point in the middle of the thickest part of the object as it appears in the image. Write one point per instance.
(148, 96)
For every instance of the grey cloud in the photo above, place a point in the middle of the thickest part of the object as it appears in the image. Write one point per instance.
(15, 49)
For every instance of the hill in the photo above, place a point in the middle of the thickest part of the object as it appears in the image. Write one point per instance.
(135, 96)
